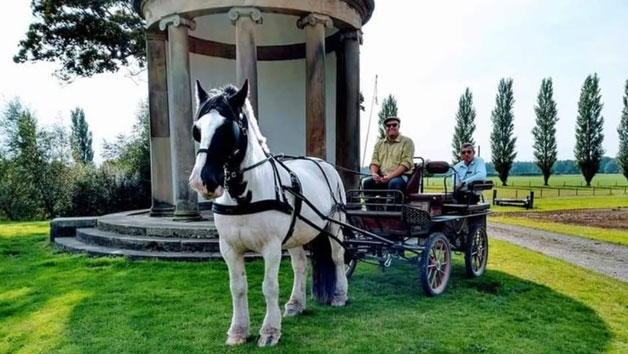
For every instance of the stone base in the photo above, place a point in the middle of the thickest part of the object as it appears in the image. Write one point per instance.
(137, 235)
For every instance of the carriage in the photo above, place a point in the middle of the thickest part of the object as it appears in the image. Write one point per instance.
(421, 228)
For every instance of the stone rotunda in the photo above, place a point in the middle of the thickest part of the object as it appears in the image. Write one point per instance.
(302, 60)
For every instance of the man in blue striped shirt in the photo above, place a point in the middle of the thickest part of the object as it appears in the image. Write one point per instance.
(468, 170)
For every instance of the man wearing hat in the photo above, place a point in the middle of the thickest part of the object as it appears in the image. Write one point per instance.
(392, 158)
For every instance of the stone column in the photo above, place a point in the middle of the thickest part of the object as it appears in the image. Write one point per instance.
(245, 19)
(348, 106)
(314, 25)
(160, 160)
(180, 106)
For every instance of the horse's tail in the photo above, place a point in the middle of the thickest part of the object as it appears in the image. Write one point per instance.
(323, 269)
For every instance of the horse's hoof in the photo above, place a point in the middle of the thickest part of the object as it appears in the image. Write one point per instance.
(235, 340)
(269, 337)
(339, 300)
(292, 310)
(237, 335)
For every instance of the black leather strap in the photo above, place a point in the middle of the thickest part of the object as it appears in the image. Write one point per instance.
(252, 208)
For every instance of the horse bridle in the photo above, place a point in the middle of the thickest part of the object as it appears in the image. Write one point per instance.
(234, 183)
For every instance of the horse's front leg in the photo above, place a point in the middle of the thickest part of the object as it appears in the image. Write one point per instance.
(239, 329)
(271, 329)
(296, 304)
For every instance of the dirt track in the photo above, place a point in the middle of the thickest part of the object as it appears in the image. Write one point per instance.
(601, 257)
(615, 218)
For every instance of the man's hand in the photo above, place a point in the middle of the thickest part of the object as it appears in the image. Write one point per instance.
(376, 178)
(459, 185)
(385, 179)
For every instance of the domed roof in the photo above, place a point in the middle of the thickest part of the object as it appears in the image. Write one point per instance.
(364, 7)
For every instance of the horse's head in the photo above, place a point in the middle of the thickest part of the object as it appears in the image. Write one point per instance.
(219, 131)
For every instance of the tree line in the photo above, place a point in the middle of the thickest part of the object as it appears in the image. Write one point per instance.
(47, 172)
(588, 151)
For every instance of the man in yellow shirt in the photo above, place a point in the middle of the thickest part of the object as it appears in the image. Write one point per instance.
(392, 158)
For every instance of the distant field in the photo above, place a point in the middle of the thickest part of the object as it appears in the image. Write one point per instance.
(560, 186)
(612, 180)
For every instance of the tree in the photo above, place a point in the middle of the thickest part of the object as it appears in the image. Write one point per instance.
(545, 149)
(81, 138)
(589, 125)
(389, 109)
(502, 140)
(86, 37)
(131, 154)
(465, 124)
(622, 154)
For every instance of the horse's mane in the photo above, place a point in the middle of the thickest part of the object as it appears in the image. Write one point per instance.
(253, 126)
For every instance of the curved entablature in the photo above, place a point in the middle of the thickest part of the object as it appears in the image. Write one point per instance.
(264, 53)
(344, 13)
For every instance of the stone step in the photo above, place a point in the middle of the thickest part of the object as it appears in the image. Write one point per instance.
(160, 228)
(102, 238)
(74, 245)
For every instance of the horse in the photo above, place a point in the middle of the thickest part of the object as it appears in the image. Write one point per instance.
(258, 207)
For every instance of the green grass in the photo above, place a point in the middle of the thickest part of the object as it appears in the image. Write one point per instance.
(570, 203)
(525, 303)
(616, 236)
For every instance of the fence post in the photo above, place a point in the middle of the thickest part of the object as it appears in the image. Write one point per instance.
(516, 193)
(593, 190)
(529, 183)
(610, 191)
(531, 199)
(494, 195)
(576, 192)
(541, 192)
(559, 192)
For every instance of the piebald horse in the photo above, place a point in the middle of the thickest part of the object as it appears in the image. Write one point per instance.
(258, 211)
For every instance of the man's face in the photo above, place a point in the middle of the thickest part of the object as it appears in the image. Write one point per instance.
(392, 129)
(467, 154)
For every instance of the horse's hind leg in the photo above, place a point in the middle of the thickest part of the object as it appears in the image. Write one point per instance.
(239, 330)
(338, 256)
(296, 304)
(271, 329)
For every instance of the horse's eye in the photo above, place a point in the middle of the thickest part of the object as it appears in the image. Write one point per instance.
(196, 133)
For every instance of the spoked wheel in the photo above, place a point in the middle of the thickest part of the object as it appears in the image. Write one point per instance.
(350, 267)
(435, 264)
(476, 252)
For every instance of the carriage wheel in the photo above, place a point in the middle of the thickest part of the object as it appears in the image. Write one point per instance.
(350, 267)
(476, 252)
(435, 264)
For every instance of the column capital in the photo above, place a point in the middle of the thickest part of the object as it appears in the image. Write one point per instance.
(176, 20)
(313, 19)
(236, 12)
(354, 35)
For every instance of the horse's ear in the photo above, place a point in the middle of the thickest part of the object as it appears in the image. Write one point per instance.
(237, 100)
(201, 95)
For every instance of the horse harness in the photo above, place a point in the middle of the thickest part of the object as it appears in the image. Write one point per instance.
(236, 186)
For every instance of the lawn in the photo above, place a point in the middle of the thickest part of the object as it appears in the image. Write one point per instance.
(525, 303)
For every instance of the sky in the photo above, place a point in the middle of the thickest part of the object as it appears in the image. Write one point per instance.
(425, 53)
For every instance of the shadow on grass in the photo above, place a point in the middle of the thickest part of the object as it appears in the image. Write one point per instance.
(94, 305)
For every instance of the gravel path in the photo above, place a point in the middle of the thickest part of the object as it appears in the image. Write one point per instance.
(601, 257)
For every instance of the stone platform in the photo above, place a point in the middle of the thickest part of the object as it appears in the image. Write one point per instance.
(136, 235)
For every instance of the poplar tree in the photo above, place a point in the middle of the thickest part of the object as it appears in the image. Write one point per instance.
(465, 124)
(545, 149)
(589, 124)
(502, 140)
(622, 154)
(389, 109)
(81, 138)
